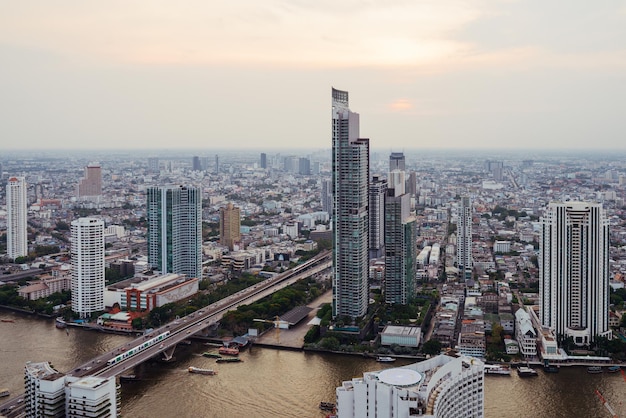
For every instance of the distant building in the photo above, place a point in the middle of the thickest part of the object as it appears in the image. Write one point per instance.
(327, 196)
(196, 165)
(230, 226)
(304, 166)
(464, 238)
(350, 176)
(397, 161)
(574, 271)
(87, 255)
(263, 160)
(440, 387)
(17, 238)
(91, 184)
(377, 192)
(174, 216)
(153, 165)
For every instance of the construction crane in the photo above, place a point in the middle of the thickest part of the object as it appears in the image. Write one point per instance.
(606, 404)
(277, 323)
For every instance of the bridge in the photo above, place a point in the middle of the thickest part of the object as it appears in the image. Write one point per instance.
(163, 340)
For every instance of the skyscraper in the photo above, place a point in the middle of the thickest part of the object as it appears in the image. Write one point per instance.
(153, 164)
(17, 243)
(87, 266)
(350, 177)
(574, 271)
(174, 215)
(195, 163)
(327, 196)
(400, 249)
(441, 387)
(464, 238)
(377, 191)
(397, 161)
(263, 160)
(230, 226)
(91, 184)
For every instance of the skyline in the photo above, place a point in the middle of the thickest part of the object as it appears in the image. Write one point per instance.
(506, 74)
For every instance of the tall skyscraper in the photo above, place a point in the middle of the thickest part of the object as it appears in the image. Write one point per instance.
(17, 242)
(196, 165)
(400, 249)
(397, 161)
(263, 160)
(441, 387)
(174, 215)
(153, 165)
(377, 192)
(327, 196)
(217, 164)
(91, 184)
(574, 271)
(230, 226)
(464, 238)
(87, 266)
(350, 176)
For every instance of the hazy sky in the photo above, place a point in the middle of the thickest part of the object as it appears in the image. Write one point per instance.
(258, 74)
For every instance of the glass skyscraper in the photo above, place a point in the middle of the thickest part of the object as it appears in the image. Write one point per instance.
(350, 217)
(174, 215)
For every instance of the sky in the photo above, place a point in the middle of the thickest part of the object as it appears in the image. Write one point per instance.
(250, 74)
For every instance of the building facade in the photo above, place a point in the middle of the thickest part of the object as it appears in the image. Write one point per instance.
(230, 226)
(464, 238)
(442, 387)
(174, 216)
(574, 271)
(17, 242)
(91, 184)
(400, 249)
(377, 192)
(87, 255)
(350, 218)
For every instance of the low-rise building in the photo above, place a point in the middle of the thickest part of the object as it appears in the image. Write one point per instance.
(401, 335)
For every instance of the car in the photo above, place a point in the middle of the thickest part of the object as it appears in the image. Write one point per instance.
(188, 332)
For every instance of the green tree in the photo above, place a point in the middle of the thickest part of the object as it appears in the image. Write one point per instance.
(432, 347)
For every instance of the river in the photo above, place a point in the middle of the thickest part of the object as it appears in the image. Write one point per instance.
(277, 383)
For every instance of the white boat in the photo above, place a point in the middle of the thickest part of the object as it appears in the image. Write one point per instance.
(385, 359)
(524, 371)
(202, 371)
(4, 392)
(497, 369)
(594, 369)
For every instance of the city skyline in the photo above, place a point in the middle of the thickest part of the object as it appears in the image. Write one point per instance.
(427, 74)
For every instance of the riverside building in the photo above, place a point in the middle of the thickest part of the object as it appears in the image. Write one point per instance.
(87, 266)
(350, 216)
(441, 387)
(17, 243)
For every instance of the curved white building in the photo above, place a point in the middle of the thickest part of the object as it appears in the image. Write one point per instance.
(443, 387)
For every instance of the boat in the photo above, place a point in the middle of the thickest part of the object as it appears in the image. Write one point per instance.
(229, 360)
(327, 406)
(594, 369)
(211, 355)
(229, 351)
(198, 370)
(550, 368)
(523, 371)
(613, 369)
(384, 359)
(7, 320)
(60, 323)
(4, 392)
(498, 370)
(128, 378)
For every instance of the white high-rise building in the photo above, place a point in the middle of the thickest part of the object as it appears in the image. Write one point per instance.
(350, 218)
(464, 238)
(93, 397)
(87, 266)
(44, 391)
(574, 271)
(17, 243)
(441, 387)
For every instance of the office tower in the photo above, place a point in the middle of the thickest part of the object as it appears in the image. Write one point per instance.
(263, 160)
(87, 266)
(377, 192)
(350, 176)
(397, 161)
(464, 238)
(327, 196)
(440, 387)
(304, 166)
(153, 165)
(174, 216)
(17, 239)
(400, 249)
(397, 181)
(217, 164)
(44, 389)
(195, 163)
(411, 184)
(91, 184)
(230, 226)
(574, 271)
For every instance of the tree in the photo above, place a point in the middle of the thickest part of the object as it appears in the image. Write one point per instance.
(432, 347)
